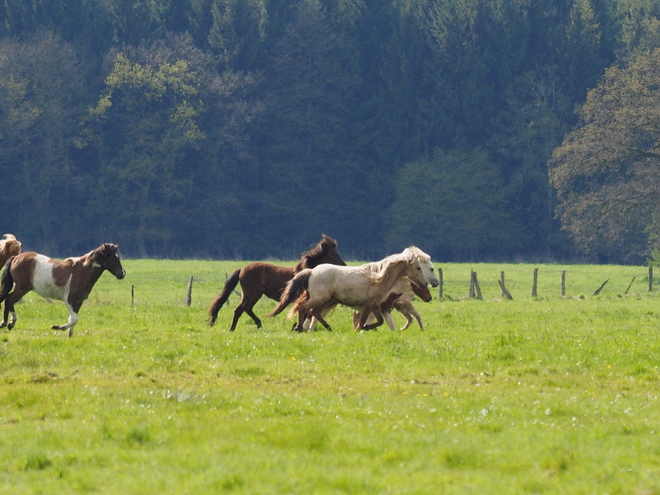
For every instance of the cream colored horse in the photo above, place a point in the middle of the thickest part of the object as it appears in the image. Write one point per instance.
(364, 287)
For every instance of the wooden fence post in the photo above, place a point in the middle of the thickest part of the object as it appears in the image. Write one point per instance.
(597, 291)
(471, 293)
(132, 295)
(563, 283)
(189, 294)
(440, 284)
(650, 279)
(505, 292)
(534, 284)
(476, 285)
(629, 286)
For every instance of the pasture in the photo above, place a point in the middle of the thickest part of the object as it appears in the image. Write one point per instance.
(535, 395)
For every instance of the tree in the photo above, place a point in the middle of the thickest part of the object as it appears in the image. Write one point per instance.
(41, 89)
(141, 127)
(453, 205)
(606, 170)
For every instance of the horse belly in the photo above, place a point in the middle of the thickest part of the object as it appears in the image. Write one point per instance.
(43, 283)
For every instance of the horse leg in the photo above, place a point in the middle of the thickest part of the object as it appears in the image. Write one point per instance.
(12, 299)
(73, 318)
(317, 313)
(245, 306)
(312, 321)
(413, 311)
(377, 313)
(389, 320)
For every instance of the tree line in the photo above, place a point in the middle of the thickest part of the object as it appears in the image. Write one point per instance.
(245, 128)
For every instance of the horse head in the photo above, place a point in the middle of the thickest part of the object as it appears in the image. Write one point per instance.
(107, 257)
(324, 252)
(414, 270)
(10, 246)
(427, 265)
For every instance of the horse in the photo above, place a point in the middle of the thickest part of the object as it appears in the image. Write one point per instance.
(258, 279)
(402, 293)
(9, 246)
(400, 299)
(70, 280)
(316, 290)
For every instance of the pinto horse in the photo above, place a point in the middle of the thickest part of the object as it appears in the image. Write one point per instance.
(316, 290)
(258, 279)
(9, 246)
(70, 280)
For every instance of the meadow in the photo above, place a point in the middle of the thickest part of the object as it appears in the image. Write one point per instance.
(545, 394)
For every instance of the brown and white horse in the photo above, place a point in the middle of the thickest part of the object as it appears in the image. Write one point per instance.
(70, 280)
(9, 246)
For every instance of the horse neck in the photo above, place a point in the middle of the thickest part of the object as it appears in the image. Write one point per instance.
(391, 273)
(94, 270)
(312, 261)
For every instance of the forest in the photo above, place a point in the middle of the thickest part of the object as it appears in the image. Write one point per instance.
(243, 129)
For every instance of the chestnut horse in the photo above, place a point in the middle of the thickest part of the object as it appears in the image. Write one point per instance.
(70, 280)
(357, 286)
(9, 246)
(258, 279)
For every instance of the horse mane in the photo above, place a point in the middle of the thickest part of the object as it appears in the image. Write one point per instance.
(324, 245)
(95, 254)
(419, 253)
(385, 264)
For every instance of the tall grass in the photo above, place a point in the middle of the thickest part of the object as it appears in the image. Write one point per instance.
(536, 395)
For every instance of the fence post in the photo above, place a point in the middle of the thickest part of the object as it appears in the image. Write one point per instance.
(440, 284)
(563, 283)
(650, 279)
(505, 292)
(189, 294)
(534, 284)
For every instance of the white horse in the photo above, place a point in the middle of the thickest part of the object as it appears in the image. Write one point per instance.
(400, 296)
(364, 287)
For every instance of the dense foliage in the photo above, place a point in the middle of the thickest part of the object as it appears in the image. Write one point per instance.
(245, 128)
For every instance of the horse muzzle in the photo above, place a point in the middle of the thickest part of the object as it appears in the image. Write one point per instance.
(121, 275)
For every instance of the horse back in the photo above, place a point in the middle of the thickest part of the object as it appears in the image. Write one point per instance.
(269, 279)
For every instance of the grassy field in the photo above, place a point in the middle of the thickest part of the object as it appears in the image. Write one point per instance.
(536, 395)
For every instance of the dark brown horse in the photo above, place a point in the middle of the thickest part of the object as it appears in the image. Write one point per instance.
(258, 279)
(70, 280)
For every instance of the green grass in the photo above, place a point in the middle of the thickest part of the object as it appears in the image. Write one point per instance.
(536, 395)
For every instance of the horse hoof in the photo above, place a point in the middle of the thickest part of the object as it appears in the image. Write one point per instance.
(10, 326)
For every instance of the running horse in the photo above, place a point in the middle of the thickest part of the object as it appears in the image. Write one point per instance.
(70, 280)
(313, 291)
(258, 279)
(9, 246)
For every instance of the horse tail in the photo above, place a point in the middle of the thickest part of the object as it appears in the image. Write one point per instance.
(294, 288)
(217, 303)
(7, 281)
(304, 297)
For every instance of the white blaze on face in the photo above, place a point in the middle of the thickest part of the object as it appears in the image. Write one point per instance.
(44, 282)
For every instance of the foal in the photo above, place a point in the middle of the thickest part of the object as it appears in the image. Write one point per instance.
(70, 280)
